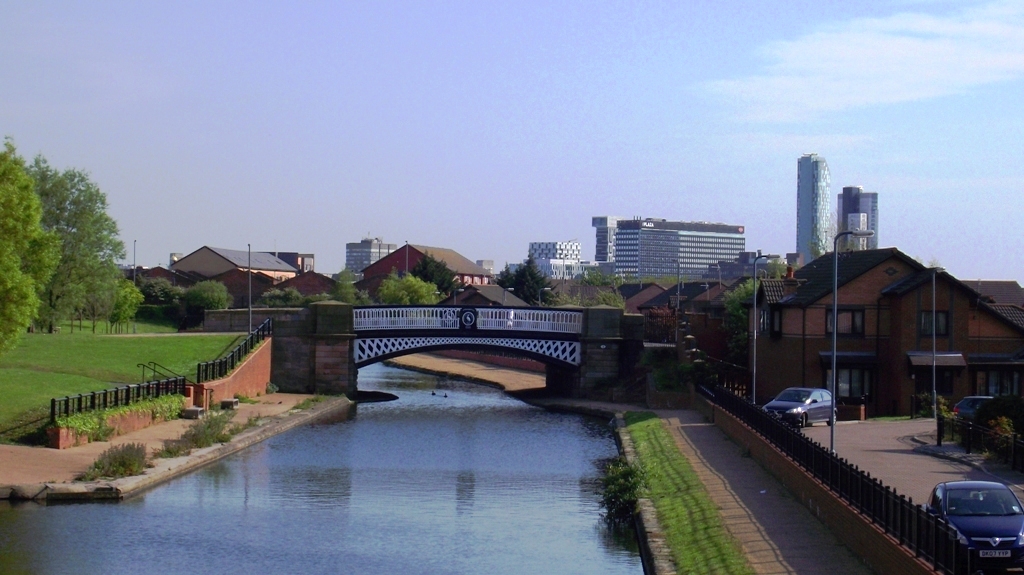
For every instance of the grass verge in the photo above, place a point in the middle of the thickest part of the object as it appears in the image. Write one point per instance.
(693, 528)
(310, 402)
(205, 432)
(118, 461)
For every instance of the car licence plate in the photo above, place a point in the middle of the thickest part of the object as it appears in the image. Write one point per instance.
(994, 553)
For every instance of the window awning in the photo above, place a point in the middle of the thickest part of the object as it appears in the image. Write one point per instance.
(848, 358)
(942, 359)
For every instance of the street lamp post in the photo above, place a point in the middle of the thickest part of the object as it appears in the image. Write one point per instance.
(757, 325)
(455, 295)
(835, 326)
(505, 291)
(935, 334)
(135, 270)
(249, 247)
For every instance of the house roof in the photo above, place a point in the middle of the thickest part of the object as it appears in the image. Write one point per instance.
(818, 275)
(686, 292)
(495, 293)
(772, 290)
(453, 259)
(1013, 313)
(260, 260)
(1001, 291)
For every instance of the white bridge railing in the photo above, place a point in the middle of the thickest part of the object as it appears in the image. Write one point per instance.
(487, 318)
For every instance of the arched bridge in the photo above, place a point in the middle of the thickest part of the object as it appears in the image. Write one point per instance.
(320, 349)
(548, 335)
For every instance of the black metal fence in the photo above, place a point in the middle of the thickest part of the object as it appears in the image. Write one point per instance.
(114, 397)
(925, 535)
(210, 370)
(1008, 447)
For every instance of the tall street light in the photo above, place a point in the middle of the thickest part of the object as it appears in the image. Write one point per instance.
(504, 291)
(135, 269)
(757, 325)
(249, 273)
(935, 334)
(835, 326)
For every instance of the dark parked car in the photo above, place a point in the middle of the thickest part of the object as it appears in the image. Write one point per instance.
(968, 406)
(802, 406)
(989, 519)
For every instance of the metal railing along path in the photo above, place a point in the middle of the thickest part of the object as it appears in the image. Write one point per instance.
(924, 534)
(115, 397)
(218, 368)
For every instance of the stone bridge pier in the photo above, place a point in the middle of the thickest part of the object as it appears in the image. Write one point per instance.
(314, 349)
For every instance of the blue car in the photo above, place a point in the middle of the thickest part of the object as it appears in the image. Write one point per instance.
(989, 519)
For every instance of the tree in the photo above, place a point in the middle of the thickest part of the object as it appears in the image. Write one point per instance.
(436, 272)
(207, 295)
(345, 290)
(527, 281)
(593, 277)
(288, 297)
(159, 291)
(127, 300)
(28, 253)
(75, 210)
(101, 295)
(406, 290)
(737, 322)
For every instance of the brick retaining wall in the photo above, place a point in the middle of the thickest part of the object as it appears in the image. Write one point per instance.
(249, 379)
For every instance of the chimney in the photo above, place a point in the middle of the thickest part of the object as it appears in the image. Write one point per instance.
(789, 283)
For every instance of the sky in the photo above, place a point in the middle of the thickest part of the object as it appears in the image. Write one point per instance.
(483, 126)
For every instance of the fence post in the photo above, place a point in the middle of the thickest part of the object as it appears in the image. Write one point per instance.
(968, 436)
(941, 423)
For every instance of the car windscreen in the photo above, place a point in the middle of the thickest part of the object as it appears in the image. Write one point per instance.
(982, 502)
(797, 395)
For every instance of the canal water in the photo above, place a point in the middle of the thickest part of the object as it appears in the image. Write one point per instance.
(452, 477)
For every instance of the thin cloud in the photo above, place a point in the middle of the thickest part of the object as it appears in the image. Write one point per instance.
(902, 58)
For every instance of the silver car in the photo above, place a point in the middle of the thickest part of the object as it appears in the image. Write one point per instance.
(802, 406)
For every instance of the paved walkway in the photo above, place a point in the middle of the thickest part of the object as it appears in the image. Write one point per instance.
(35, 465)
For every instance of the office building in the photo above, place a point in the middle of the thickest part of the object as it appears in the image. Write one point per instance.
(858, 210)
(359, 255)
(659, 248)
(604, 250)
(556, 250)
(813, 206)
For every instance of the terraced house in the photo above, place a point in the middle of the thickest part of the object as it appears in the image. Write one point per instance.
(885, 334)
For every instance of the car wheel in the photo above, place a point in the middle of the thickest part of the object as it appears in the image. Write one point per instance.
(828, 421)
(804, 422)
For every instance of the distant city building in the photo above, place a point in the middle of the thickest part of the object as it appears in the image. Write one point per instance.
(302, 262)
(556, 251)
(359, 255)
(742, 266)
(487, 265)
(658, 248)
(858, 210)
(605, 248)
(210, 262)
(813, 201)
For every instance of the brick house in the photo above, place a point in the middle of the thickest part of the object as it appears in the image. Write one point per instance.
(486, 295)
(308, 284)
(405, 258)
(209, 262)
(177, 278)
(884, 336)
(237, 282)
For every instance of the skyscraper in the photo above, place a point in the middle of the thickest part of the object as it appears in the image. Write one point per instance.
(858, 210)
(813, 200)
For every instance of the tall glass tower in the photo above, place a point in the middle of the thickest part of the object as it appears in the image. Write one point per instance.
(813, 216)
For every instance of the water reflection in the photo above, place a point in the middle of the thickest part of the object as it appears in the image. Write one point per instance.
(469, 483)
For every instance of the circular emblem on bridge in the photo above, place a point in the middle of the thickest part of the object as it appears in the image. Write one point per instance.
(467, 318)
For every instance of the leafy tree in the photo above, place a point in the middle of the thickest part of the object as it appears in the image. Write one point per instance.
(609, 298)
(593, 277)
(775, 268)
(100, 295)
(288, 297)
(436, 272)
(345, 290)
(207, 295)
(527, 282)
(737, 322)
(27, 252)
(75, 210)
(406, 290)
(127, 300)
(160, 291)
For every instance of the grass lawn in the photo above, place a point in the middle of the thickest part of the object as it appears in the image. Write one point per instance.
(693, 529)
(44, 366)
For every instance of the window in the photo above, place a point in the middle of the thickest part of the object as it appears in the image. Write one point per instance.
(851, 321)
(998, 382)
(852, 382)
(763, 317)
(776, 322)
(941, 323)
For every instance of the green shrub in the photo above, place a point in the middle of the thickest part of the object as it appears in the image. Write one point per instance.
(93, 424)
(207, 431)
(271, 388)
(245, 398)
(1010, 406)
(925, 401)
(118, 461)
(309, 402)
(623, 485)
